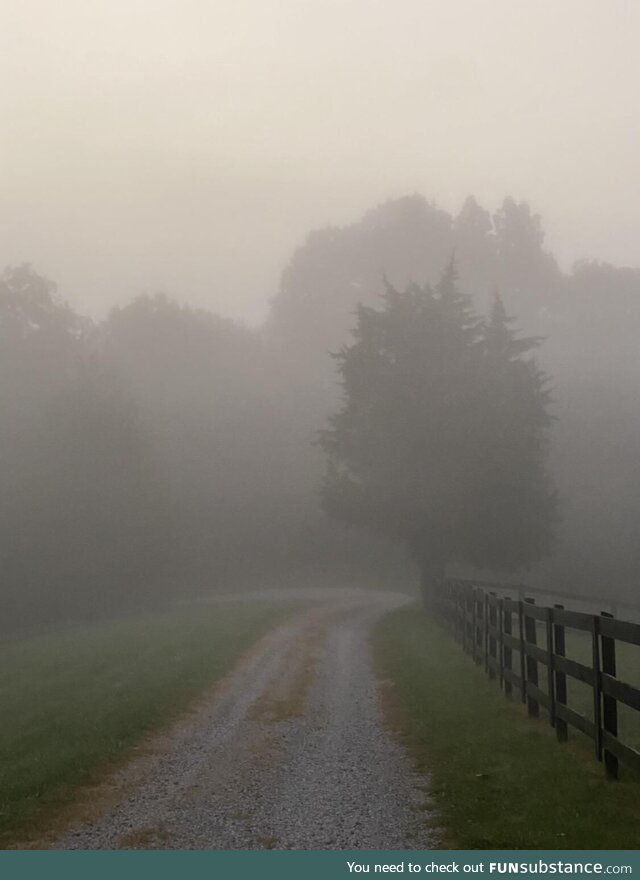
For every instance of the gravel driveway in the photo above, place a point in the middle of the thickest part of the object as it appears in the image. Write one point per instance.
(291, 752)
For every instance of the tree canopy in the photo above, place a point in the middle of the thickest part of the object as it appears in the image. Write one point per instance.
(441, 438)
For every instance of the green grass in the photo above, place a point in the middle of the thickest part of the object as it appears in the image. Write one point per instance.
(499, 780)
(74, 703)
(579, 695)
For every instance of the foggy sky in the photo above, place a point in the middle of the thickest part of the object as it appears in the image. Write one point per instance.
(190, 145)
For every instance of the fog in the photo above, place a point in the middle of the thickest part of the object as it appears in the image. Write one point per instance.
(156, 145)
(198, 199)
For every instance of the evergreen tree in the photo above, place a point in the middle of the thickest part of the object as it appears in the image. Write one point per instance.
(515, 490)
(440, 439)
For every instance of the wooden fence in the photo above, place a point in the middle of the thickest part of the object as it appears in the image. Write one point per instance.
(498, 630)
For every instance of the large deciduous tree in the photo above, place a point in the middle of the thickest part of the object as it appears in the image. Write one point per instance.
(440, 442)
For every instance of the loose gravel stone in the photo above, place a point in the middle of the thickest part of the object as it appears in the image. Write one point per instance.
(291, 753)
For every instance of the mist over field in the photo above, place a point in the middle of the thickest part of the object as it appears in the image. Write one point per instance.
(320, 426)
(169, 451)
(196, 200)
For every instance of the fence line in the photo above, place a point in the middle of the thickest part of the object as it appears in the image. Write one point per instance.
(493, 628)
(616, 606)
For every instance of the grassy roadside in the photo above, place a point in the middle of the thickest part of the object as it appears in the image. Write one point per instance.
(498, 779)
(74, 703)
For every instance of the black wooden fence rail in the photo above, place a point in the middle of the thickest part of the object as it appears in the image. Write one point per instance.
(493, 628)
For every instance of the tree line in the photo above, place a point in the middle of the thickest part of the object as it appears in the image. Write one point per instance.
(166, 451)
(142, 457)
(586, 318)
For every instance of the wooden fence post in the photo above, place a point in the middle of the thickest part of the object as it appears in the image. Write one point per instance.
(455, 612)
(479, 625)
(467, 645)
(550, 682)
(459, 616)
(531, 637)
(474, 630)
(507, 623)
(560, 678)
(500, 646)
(597, 692)
(609, 704)
(485, 629)
(484, 622)
(523, 676)
(491, 640)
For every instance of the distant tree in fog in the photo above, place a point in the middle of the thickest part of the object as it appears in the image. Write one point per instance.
(513, 488)
(440, 442)
(407, 238)
(211, 404)
(588, 316)
(80, 518)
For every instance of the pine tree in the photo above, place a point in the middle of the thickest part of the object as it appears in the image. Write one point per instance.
(440, 441)
(514, 489)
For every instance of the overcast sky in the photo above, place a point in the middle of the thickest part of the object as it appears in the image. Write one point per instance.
(189, 145)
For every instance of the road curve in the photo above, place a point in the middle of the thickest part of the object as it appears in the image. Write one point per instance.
(292, 752)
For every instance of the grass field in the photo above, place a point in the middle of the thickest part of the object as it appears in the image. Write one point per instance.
(498, 779)
(73, 703)
(580, 696)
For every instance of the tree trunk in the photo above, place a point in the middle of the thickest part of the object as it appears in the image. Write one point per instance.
(431, 582)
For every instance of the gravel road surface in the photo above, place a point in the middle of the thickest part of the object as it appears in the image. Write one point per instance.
(290, 752)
